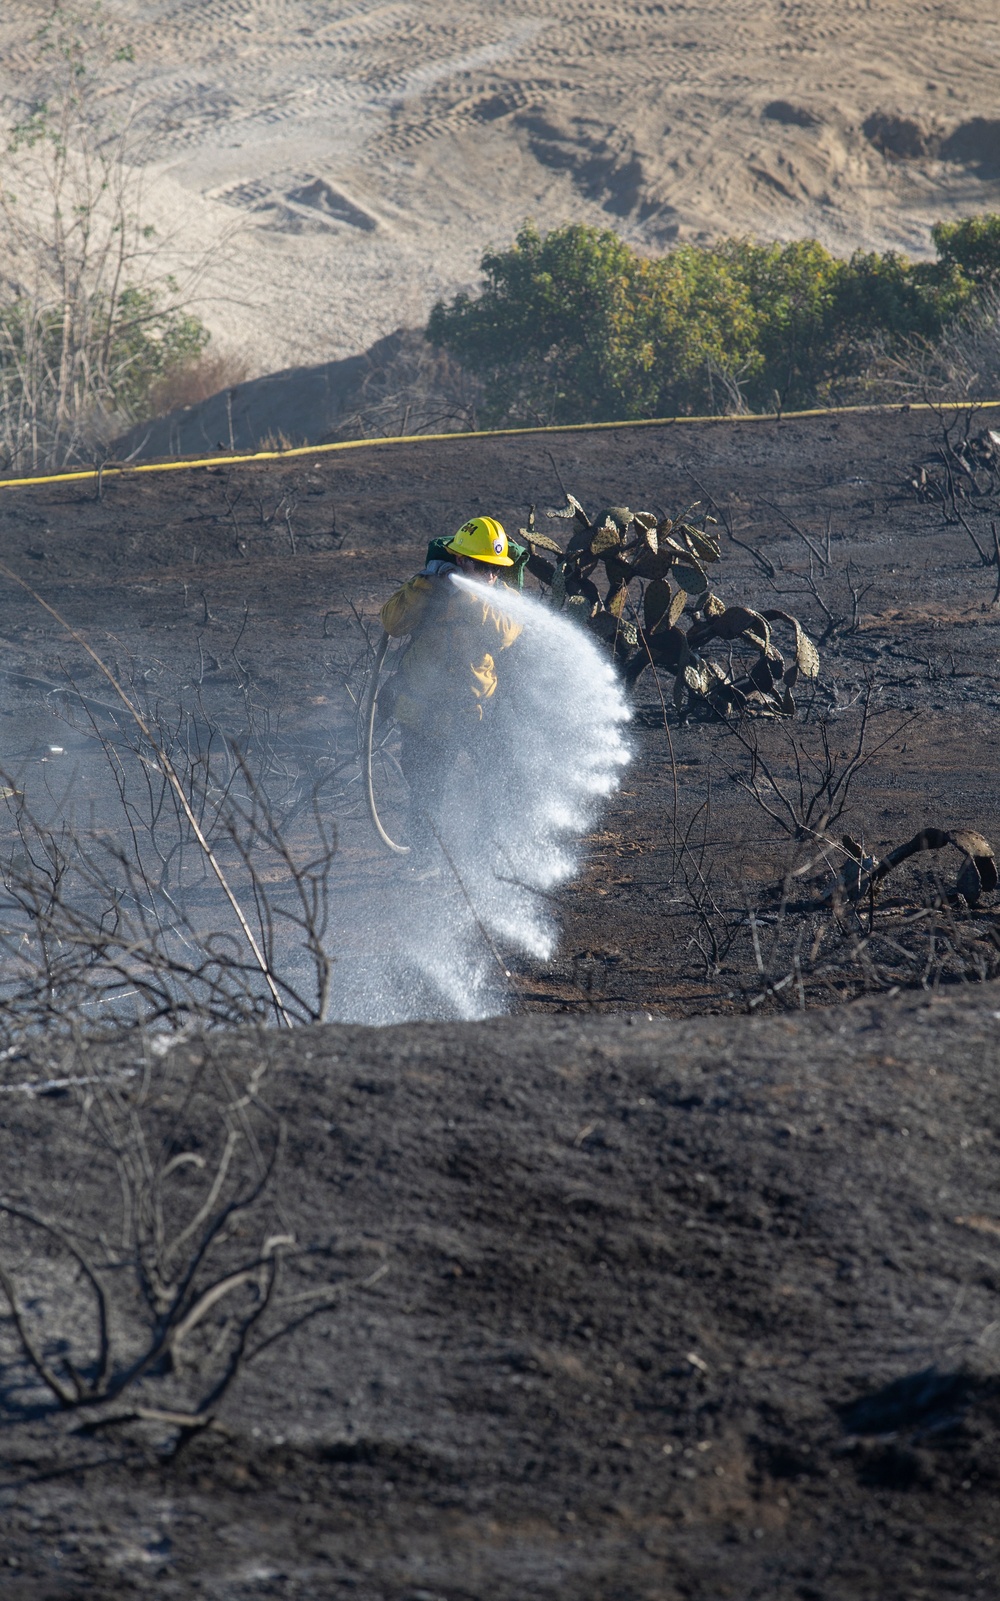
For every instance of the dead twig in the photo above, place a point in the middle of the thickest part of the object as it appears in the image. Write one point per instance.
(171, 773)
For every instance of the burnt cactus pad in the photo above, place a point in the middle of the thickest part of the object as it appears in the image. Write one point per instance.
(655, 574)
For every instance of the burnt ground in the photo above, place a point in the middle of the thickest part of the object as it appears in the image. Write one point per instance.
(570, 1208)
(625, 1308)
(246, 578)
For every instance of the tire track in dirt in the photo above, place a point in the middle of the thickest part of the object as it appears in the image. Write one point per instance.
(418, 113)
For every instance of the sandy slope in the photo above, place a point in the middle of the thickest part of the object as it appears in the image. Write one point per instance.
(370, 149)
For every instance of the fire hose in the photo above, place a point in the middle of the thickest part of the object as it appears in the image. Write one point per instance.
(369, 729)
(390, 844)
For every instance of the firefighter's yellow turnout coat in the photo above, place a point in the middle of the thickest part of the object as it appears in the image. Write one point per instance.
(448, 673)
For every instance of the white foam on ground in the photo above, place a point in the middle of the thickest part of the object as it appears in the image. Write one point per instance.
(553, 751)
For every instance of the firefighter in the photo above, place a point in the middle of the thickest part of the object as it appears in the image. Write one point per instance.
(447, 682)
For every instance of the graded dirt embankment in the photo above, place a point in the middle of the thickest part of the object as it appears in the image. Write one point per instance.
(675, 1310)
(367, 153)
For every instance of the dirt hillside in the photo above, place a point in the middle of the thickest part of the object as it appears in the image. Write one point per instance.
(367, 152)
(621, 1308)
(648, 1306)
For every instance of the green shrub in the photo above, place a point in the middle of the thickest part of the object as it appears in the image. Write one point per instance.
(72, 369)
(971, 248)
(792, 290)
(576, 326)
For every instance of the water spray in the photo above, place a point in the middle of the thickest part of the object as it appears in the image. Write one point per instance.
(549, 755)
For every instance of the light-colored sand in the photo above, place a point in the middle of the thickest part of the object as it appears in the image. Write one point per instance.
(369, 150)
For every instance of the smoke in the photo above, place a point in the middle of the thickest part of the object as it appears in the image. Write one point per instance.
(509, 832)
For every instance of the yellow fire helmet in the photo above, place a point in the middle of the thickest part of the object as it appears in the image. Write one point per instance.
(483, 539)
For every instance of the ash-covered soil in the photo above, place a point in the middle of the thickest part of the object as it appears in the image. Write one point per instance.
(692, 1308)
(249, 582)
(629, 1308)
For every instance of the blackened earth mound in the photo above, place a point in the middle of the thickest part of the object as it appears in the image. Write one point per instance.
(694, 1309)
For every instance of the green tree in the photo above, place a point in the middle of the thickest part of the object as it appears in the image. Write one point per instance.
(575, 325)
(704, 345)
(792, 289)
(971, 248)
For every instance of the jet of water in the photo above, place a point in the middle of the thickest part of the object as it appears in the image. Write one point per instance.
(549, 754)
